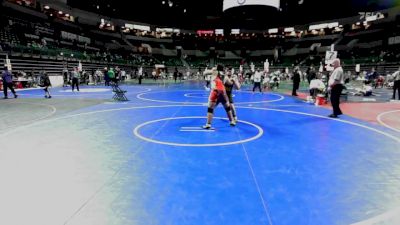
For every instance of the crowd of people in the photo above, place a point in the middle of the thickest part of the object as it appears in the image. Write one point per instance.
(261, 79)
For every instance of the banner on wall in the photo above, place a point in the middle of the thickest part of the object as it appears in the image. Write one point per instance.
(237, 3)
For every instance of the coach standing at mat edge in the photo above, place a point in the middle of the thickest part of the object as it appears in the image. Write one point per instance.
(336, 81)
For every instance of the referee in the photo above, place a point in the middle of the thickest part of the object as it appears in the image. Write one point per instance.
(396, 85)
(336, 81)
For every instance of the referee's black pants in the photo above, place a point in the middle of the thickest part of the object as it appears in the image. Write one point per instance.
(396, 87)
(5, 88)
(257, 85)
(75, 82)
(335, 99)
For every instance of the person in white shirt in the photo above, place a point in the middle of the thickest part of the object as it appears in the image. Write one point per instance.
(75, 76)
(316, 87)
(123, 75)
(274, 81)
(257, 80)
(265, 82)
(208, 76)
(336, 81)
(396, 85)
(366, 90)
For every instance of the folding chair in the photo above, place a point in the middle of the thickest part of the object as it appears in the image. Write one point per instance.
(119, 94)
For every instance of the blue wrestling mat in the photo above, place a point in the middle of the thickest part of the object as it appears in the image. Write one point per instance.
(147, 161)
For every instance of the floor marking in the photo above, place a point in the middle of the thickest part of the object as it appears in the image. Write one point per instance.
(53, 111)
(137, 134)
(263, 202)
(204, 130)
(191, 128)
(139, 96)
(379, 119)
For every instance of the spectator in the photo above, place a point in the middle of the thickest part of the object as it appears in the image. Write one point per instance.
(75, 76)
(311, 74)
(257, 80)
(366, 90)
(8, 83)
(111, 75)
(176, 74)
(317, 86)
(65, 77)
(296, 81)
(46, 84)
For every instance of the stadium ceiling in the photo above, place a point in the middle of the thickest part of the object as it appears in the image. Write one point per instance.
(209, 14)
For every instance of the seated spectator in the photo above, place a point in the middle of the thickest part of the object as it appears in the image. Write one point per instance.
(366, 90)
(316, 87)
(274, 81)
(379, 81)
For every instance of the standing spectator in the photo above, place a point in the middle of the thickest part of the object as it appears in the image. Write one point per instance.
(208, 76)
(123, 75)
(111, 75)
(65, 77)
(97, 76)
(336, 81)
(106, 77)
(180, 75)
(46, 84)
(75, 78)
(257, 80)
(396, 85)
(311, 74)
(296, 81)
(176, 74)
(188, 74)
(140, 78)
(8, 83)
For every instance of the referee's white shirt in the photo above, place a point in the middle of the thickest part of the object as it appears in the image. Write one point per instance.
(257, 77)
(337, 75)
(396, 75)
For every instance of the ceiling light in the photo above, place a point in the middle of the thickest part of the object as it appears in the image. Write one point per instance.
(67, 15)
(60, 12)
(163, 2)
(47, 7)
(184, 10)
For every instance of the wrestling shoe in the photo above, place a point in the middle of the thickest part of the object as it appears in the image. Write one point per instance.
(233, 123)
(207, 126)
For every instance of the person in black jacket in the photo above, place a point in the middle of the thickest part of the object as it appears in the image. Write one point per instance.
(46, 85)
(296, 81)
